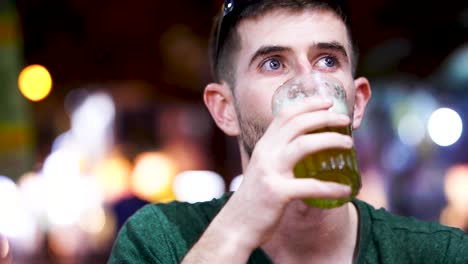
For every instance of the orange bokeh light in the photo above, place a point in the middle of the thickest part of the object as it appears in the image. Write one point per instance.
(35, 82)
(113, 177)
(153, 177)
(456, 186)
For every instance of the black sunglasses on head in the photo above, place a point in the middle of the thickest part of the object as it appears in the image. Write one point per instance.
(231, 10)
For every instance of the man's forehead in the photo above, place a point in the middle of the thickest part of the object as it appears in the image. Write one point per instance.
(292, 28)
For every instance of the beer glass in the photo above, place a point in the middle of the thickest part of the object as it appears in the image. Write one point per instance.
(335, 165)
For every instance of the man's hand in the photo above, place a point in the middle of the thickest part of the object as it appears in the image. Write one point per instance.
(254, 211)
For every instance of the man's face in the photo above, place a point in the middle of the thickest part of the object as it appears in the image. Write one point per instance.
(277, 47)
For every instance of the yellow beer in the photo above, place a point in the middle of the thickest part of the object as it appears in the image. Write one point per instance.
(334, 165)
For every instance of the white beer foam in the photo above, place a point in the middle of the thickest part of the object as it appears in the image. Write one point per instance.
(339, 106)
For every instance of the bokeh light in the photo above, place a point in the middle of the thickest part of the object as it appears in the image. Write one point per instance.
(64, 195)
(153, 176)
(92, 221)
(100, 227)
(92, 124)
(9, 206)
(235, 183)
(113, 176)
(410, 112)
(67, 241)
(4, 248)
(35, 82)
(32, 189)
(453, 217)
(63, 163)
(456, 186)
(455, 68)
(198, 186)
(68, 198)
(16, 223)
(411, 130)
(445, 126)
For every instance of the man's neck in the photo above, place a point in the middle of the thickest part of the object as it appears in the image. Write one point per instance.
(310, 234)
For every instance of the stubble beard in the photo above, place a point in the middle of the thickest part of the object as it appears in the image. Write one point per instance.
(251, 130)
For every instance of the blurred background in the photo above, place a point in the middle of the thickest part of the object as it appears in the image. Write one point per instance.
(101, 113)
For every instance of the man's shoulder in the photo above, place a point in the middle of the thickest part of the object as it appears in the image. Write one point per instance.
(179, 212)
(404, 239)
(162, 233)
(382, 219)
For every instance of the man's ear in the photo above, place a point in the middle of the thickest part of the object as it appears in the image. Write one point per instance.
(220, 102)
(361, 98)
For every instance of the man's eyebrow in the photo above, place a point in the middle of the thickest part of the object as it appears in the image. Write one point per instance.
(265, 50)
(334, 45)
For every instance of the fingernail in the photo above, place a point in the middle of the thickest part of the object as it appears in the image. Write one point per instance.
(348, 141)
(344, 118)
(345, 189)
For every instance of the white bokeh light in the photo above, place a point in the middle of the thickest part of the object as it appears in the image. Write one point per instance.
(67, 199)
(15, 222)
(67, 192)
(411, 130)
(62, 163)
(235, 183)
(198, 186)
(445, 127)
(9, 203)
(33, 192)
(91, 124)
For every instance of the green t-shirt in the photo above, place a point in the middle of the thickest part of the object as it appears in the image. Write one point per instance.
(163, 233)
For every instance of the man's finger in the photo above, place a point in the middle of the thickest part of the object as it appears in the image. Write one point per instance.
(312, 121)
(313, 143)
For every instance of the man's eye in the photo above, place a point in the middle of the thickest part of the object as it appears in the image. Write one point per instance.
(272, 64)
(328, 62)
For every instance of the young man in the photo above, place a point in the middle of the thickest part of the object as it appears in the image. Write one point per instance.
(257, 45)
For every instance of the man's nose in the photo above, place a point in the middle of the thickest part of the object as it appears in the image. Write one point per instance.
(304, 65)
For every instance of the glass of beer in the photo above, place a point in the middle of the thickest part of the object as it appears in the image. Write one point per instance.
(335, 165)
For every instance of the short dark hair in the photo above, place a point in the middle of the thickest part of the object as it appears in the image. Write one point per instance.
(225, 41)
